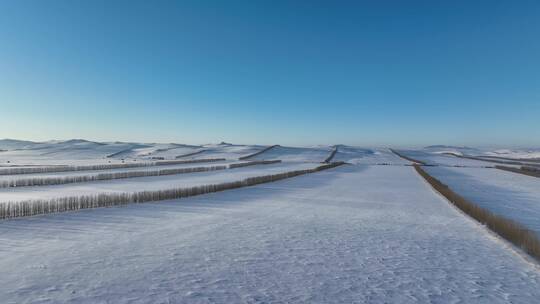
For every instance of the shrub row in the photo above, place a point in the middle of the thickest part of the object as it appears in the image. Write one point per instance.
(407, 158)
(51, 169)
(46, 181)
(54, 205)
(526, 170)
(332, 154)
(188, 161)
(506, 228)
(489, 160)
(258, 152)
(255, 162)
(190, 154)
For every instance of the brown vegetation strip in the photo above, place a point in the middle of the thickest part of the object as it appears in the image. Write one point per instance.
(332, 154)
(258, 152)
(530, 171)
(407, 158)
(253, 163)
(506, 228)
(70, 203)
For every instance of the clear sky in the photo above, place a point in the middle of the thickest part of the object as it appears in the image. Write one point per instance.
(287, 72)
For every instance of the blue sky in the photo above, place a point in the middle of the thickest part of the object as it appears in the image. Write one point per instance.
(400, 73)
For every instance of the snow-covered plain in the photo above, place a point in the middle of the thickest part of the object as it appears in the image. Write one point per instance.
(514, 196)
(354, 234)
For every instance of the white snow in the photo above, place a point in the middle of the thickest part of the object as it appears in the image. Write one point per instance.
(512, 195)
(354, 234)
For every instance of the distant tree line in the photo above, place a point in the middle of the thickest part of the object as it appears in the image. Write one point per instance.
(258, 152)
(332, 154)
(255, 162)
(51, 180)
(62, 204)
(51, 169)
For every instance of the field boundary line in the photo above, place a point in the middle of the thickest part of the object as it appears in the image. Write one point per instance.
(72, 203)
(257, 153)
(513, 232)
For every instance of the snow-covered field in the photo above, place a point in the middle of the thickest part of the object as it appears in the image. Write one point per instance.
(371, 231)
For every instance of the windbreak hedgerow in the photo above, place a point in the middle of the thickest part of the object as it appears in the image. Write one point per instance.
(515, 233)
(52, 169)
(60, 180)
(44, 206)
